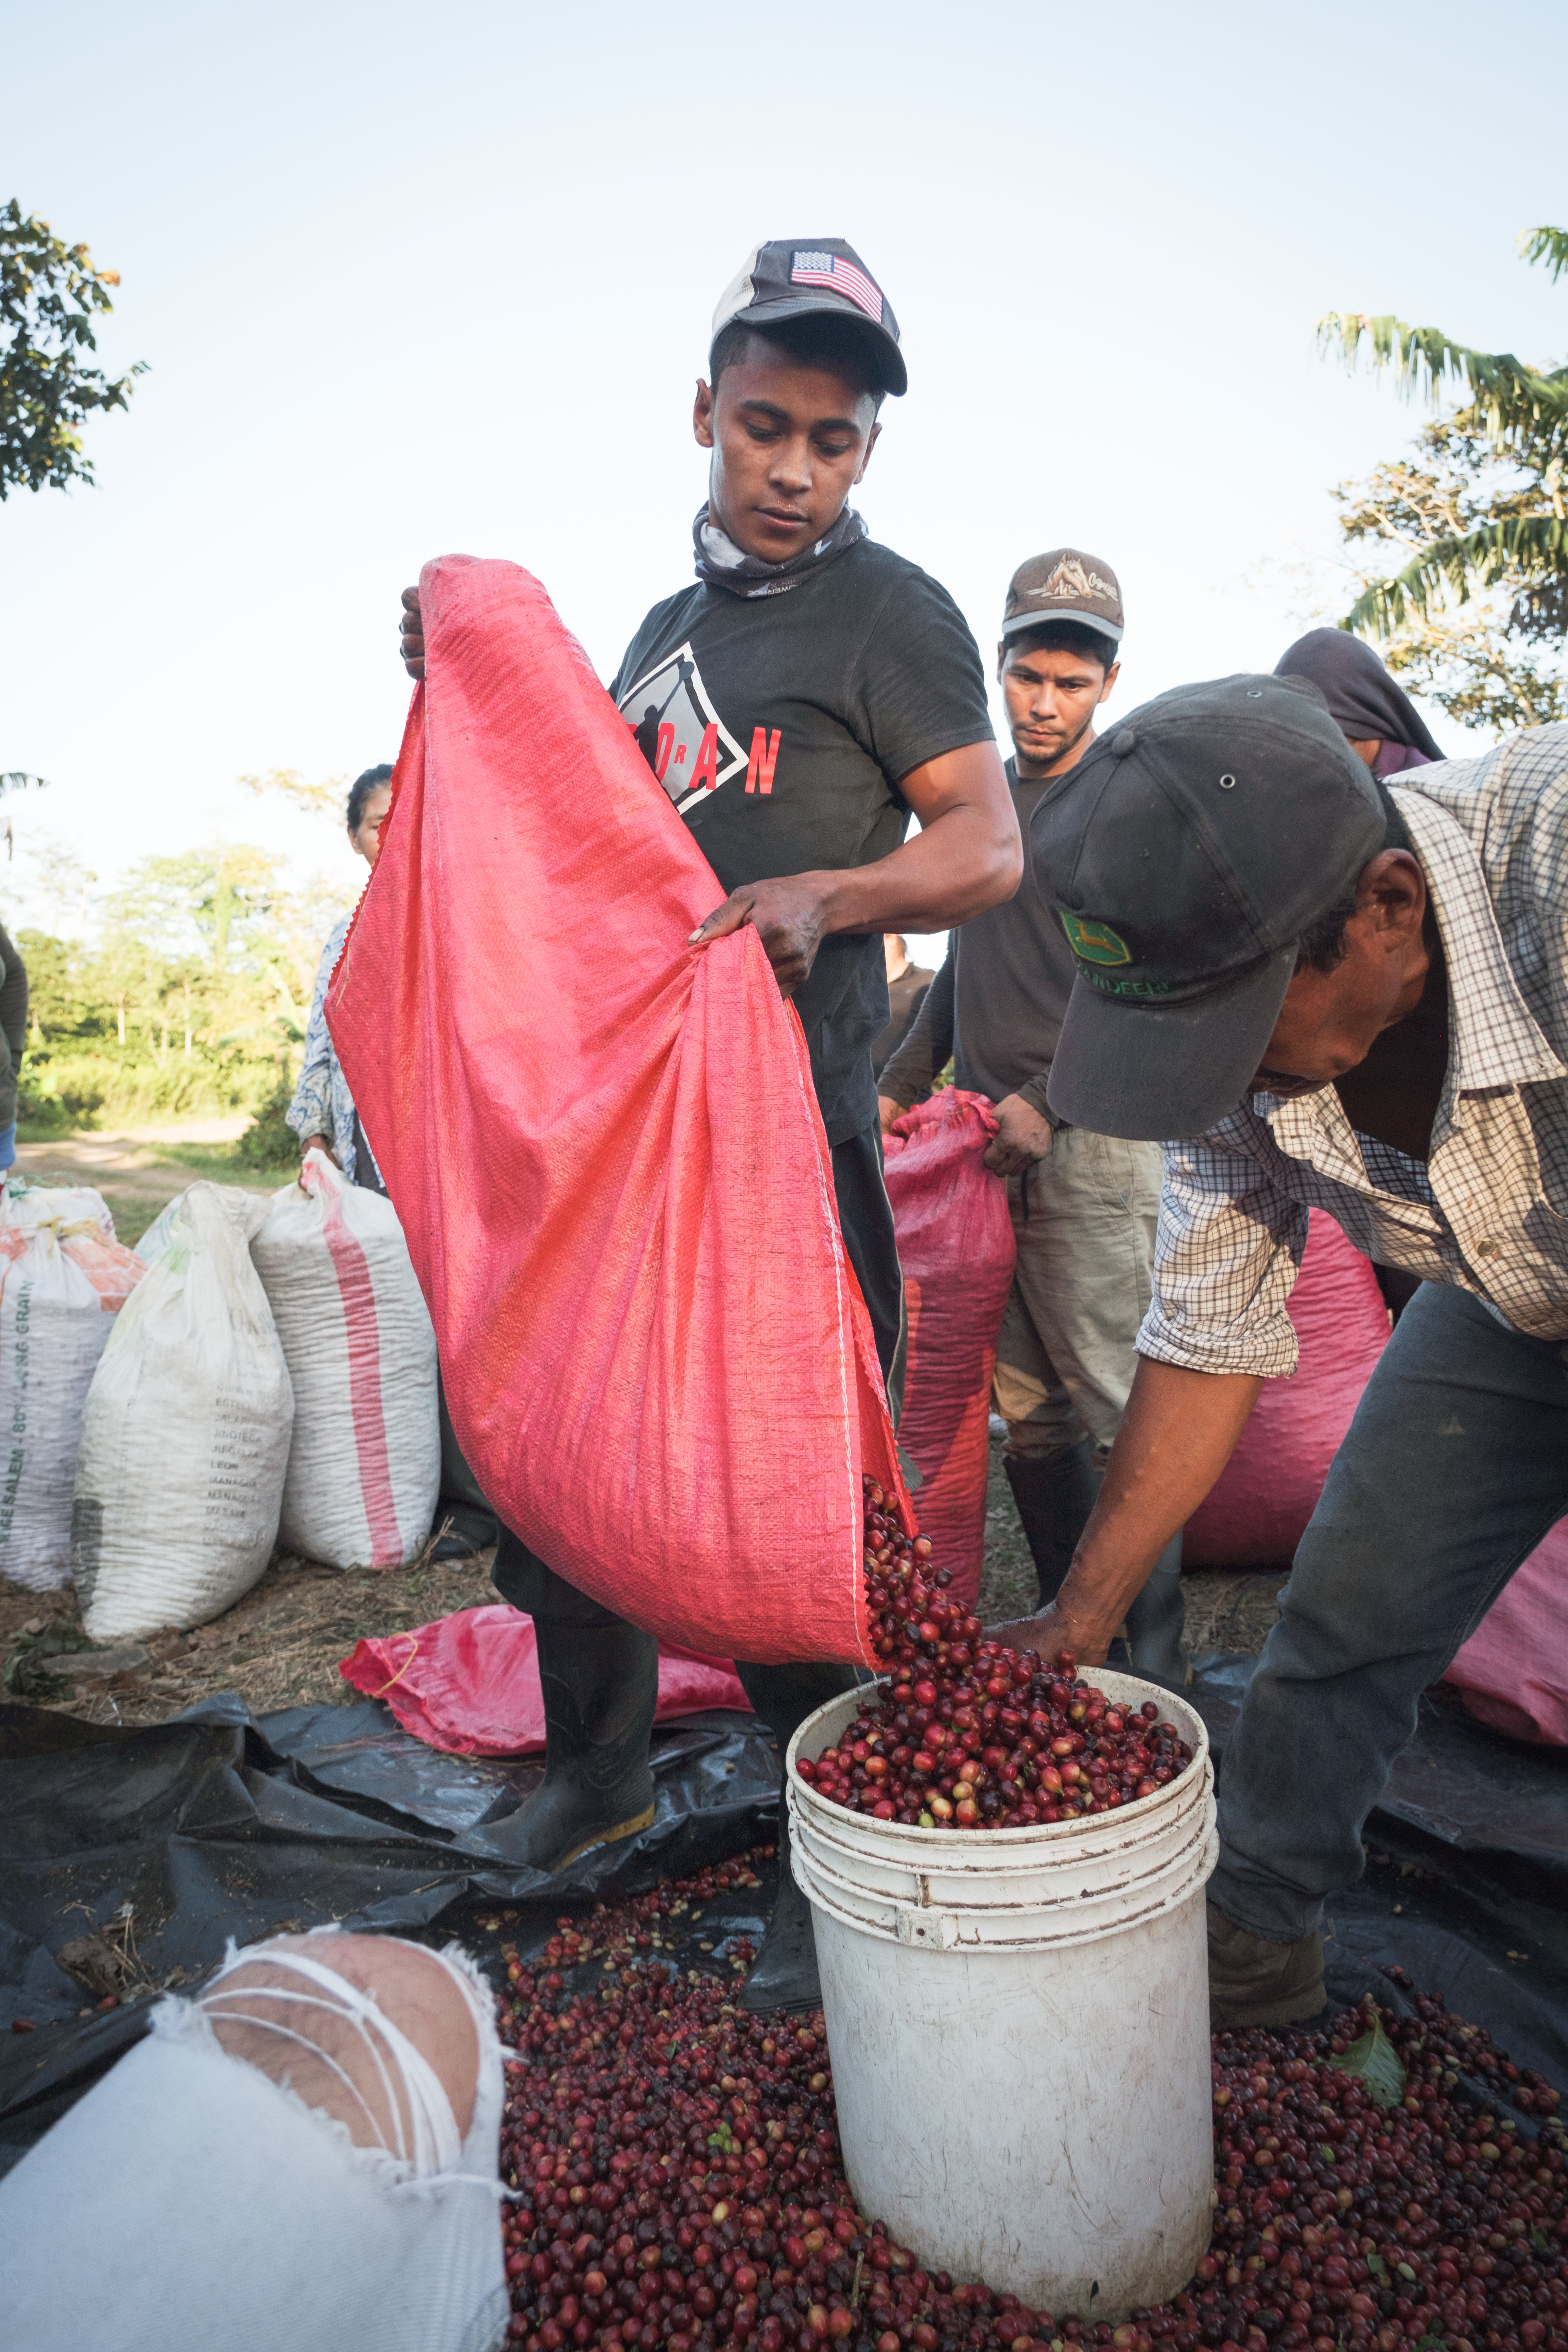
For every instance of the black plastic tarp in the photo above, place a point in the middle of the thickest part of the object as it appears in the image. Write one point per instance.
(215, 1826)
(1465, 1886)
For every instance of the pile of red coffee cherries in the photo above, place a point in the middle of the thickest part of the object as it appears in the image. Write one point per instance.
(682, 2190)
(974, 1735)
(1348, 2226)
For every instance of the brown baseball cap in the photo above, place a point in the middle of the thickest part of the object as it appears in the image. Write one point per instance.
(1064, 585)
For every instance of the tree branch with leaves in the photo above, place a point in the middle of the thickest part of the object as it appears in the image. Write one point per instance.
(1474, 616)
(51, 294)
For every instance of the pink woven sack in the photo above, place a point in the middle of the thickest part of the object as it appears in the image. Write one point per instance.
(957, 1251)
(1256, 1513)
(1513, 1671)
(469, 1683)
(607, 1158)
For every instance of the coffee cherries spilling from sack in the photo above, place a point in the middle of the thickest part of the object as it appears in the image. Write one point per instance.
(974, 1735)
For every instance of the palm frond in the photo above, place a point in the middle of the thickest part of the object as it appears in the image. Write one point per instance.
(1533, 545)
(1547, 244)
(1510, 396)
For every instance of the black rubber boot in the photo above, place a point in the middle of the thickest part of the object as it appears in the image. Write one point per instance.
(1154, 1622)
(473, 1526)
(784, 1974)
(1055, 1494)
(600, 1684)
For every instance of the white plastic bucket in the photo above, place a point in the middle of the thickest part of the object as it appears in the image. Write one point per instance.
(1018, 2025)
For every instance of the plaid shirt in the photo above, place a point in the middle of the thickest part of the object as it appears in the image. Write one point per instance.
(1488, 1211)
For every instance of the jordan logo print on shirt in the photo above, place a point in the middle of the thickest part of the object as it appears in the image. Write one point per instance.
(678, 733)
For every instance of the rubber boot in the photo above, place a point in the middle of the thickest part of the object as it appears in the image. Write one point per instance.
(784, 1974)
(467, 1522)
(600, 1684)
(1055, 1494)
(1154, 1621)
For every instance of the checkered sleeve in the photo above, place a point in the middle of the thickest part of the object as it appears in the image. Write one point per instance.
(1226, 1257)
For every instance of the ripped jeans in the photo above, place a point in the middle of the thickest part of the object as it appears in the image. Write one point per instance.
(191, 2202)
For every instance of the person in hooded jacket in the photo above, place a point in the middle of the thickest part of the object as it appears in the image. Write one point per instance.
(1388, 735)
(1371, 710)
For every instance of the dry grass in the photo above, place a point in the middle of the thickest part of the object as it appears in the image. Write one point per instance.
(279, 1647)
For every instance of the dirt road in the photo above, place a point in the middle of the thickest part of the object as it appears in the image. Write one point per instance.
(138, 1169)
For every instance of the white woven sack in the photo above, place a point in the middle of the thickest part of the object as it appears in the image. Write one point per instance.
(365, 1466)
(160, 1231)
(53, 1328)
(184, 1438)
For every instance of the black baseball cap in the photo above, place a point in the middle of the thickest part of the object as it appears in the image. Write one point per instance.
(1185, 856)
(806, 277)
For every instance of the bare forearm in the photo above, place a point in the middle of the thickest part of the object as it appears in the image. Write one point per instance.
(1179, 1432)
(958, 866)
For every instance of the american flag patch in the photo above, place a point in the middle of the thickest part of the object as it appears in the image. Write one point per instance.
(839, 277)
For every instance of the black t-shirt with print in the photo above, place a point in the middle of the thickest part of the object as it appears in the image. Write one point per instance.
(781, 726)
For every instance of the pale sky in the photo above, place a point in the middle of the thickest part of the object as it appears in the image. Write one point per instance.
(413, 279)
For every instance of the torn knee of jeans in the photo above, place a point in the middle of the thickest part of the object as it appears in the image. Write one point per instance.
(282, 2008)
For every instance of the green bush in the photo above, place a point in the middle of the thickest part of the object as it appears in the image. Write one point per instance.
(51, 1103)
(62, 1087)
(269, 1141)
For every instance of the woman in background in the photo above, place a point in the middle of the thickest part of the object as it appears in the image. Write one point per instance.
(323, 1117)
(322, 1113)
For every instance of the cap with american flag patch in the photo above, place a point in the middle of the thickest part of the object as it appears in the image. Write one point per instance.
(799, 276)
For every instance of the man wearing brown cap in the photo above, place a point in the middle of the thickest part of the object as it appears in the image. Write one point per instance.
(1084, 1206)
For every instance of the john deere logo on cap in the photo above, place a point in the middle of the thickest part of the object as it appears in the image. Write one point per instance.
(1095, 943)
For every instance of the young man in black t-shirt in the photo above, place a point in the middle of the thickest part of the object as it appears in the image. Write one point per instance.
(798, 704)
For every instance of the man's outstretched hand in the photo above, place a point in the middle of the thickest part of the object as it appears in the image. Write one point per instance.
(413, 634)
(1058, 1627)
(788, 916)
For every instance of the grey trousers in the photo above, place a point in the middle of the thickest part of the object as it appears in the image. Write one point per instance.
(1452, 1471)
(1084, 1218)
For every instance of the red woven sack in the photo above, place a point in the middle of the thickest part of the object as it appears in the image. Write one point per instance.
(607, 1157)
(1258, 1512)
(469, 1683)
(1513, 1671)
(957, 1251)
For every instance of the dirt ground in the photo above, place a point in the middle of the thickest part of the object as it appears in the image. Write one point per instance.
(280, 1646)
